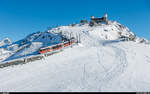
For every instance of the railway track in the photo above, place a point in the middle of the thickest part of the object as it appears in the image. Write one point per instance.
(29, 59)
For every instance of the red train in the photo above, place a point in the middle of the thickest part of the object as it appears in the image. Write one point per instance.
(55, 47)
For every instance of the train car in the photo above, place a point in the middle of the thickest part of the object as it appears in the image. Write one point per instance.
(50, 48)
(66, 44)
(45, 50)
(56, 47)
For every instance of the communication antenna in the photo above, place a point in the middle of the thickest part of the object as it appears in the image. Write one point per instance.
(105, 15)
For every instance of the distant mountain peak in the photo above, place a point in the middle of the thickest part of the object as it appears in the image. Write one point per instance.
(5, 41)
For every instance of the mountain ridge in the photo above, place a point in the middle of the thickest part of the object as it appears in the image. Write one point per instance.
(106, 57)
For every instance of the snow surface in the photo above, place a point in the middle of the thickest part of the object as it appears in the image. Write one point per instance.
(101, 62)
(29, 45)
(5, 41)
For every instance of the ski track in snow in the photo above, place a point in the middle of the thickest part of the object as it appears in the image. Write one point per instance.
(118, 68)
(119, 65)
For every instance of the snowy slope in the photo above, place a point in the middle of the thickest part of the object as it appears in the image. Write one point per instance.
(31, 49)
(5, 41)
(4, 53)
(101, 62)
(106, 32)
(31, 44)
(113, 67)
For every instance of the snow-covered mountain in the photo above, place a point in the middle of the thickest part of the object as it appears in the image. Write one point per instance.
(4, 53)
(5, 41)
(108, 58)
(31, 44)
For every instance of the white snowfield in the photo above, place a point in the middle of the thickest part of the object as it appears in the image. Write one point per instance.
(100, 62)
(5, 41)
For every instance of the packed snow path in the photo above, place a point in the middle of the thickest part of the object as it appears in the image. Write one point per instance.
(120, 65)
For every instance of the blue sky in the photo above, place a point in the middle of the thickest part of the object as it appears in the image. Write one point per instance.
(18, 18)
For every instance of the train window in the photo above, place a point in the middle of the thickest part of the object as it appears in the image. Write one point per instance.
(46, 49)
(41, 49)
(59, 45)
(54, 47)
